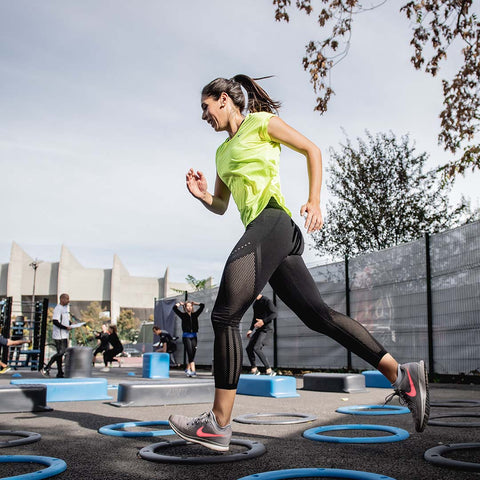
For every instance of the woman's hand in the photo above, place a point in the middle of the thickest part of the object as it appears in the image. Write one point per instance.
(313, 217)
(196, 184)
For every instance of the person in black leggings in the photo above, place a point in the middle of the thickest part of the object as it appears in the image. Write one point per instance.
(104, 343)
(264, 312)
(117, 347)
(247, 164)
(189, 318)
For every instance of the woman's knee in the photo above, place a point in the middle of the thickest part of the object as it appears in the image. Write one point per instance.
(222, 319)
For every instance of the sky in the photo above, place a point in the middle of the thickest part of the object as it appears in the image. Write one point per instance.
(100, 119)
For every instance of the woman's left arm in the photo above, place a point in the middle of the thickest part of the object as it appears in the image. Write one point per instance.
(281, 132)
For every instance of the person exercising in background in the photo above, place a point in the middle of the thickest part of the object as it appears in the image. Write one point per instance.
(60, 334)
(264, 312)
(103, 345)
(117, 348)
(190, 329)
(165, 344)
(7, 342)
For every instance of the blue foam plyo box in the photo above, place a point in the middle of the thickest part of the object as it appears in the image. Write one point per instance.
(70, 389)
(156, 365)
(376, 379)
(266, 386)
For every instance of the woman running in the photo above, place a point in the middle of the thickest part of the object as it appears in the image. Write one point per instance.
(247, 164)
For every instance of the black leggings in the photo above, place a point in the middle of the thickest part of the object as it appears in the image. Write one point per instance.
(109, 355)
(61, 347)
(255, 347)
(190, 344)
(270, 251)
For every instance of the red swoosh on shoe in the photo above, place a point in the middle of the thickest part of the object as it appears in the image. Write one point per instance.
(412, 391)
(203, 434)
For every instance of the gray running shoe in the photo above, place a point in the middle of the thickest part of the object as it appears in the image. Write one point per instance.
(203, 430)
(413, 392)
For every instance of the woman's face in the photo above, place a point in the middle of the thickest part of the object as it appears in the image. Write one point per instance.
(188, 307)
(214, 113)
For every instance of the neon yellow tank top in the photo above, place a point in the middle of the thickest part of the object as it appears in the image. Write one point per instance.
(248, 164)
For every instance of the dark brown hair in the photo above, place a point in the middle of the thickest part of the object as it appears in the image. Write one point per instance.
(258, 99)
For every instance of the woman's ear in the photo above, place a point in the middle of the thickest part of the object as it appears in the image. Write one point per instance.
(223, 99)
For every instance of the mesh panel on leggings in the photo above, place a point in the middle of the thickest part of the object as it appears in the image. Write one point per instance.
(238, 285)
(227, 369)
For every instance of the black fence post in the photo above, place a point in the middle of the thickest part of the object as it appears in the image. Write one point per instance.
(347, 307)
(275, 344)
(185, 296)
(428, 265)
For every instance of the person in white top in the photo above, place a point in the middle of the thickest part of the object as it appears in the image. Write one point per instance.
(60, 334)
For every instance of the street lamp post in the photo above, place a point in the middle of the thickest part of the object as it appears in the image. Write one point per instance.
(34, 265)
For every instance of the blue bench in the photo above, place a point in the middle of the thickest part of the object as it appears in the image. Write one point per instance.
(266, 386)
(70, 389)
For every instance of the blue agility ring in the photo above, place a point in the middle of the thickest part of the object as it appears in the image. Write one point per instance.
(316, 472)
(398, 434)
(114, 429)
(373, 410)
(54, 466)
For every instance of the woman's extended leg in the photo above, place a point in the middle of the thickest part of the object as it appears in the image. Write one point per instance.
(294, 284)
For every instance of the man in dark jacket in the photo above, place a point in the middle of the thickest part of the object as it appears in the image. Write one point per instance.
(264, 312)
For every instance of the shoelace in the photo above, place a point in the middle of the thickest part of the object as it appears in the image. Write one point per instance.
(203, 418)
(402, 400)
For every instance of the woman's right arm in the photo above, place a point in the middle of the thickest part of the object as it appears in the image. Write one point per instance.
(197, 186)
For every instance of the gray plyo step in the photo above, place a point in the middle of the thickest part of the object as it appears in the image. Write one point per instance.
(164, 392)
(23, 398)
(334, 382)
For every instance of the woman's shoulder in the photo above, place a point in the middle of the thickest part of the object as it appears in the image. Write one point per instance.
(259, 117)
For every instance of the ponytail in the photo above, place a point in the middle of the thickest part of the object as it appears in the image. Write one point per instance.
(258, 99)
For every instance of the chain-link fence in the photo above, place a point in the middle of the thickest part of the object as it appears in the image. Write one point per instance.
(421, 300)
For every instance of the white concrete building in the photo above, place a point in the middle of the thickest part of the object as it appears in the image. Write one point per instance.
(114, 288)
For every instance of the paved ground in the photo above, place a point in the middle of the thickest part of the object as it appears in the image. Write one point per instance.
(70, 432)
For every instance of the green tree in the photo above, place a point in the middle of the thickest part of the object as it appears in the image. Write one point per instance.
(128, 325)
(196, 283)
(93, 318)
(438, 25)
(382, 197)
